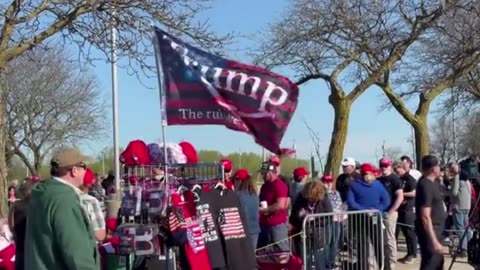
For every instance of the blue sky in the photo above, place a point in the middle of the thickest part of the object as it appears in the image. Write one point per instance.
(140, 113)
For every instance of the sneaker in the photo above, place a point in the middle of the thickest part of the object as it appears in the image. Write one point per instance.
(408, 260)
(446, 241)
(403, 259)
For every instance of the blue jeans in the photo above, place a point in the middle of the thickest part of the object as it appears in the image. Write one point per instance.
(275, 238)
(335, 234)
(254, 239)
(318, 258)
(460, 221)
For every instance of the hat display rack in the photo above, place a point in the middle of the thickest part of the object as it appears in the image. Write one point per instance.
(145, 198)
(146, 190)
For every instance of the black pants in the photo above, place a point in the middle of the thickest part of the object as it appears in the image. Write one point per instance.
(408, 230)
(431, 260)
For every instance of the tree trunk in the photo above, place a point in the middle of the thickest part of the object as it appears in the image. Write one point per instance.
(37, 162)
(3, 165)
(422, 138)
(341, 108)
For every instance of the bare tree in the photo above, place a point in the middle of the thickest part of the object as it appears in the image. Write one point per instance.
(86, 24)
(50, 102)
(315, 138)
(443, 58)
(393, 153)
(469, 129)
(441, 134)
(346, 43)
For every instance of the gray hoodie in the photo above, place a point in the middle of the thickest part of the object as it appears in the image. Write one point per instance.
(461, 193)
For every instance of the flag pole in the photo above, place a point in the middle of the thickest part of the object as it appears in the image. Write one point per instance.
(161, 86)
(163, 112)
(116, 150)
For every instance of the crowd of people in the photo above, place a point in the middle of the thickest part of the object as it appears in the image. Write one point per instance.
(425, 206)
(58, 223)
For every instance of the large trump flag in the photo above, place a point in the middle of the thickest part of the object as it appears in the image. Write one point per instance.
(204, 89)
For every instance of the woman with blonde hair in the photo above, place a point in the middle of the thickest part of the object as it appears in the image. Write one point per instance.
(312, 200)
(367, 193)
(246, 190)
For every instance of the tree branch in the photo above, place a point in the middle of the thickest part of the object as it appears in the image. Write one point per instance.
(307, 78)
(9, 23)
(33, 14)
(398, 102)
(14, 52)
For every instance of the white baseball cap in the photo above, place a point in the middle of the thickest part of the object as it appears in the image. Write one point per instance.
(348, 161)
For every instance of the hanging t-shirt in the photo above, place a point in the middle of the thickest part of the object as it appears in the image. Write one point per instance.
(195, 249)
(211, 235)
(239, 252)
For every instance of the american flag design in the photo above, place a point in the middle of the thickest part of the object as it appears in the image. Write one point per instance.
(231, 225)
(195, 238)
(207, 223)
(176, 219)
(204, 89)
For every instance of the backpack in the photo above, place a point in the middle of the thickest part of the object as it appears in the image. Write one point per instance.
(136, 154)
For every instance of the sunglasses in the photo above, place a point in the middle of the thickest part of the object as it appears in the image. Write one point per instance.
(81, 165)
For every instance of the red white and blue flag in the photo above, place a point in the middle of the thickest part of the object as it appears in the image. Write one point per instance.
(231, 224)
(204, 89)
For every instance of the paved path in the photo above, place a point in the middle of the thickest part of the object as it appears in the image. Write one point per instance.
(460, 263)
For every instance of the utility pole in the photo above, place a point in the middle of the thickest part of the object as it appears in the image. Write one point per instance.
(454, 129)
(116, 147)
(295, 149)
(240, 153)
(414, 153)
(383, 148)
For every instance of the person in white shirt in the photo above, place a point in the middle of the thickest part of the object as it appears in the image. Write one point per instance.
(408, 165)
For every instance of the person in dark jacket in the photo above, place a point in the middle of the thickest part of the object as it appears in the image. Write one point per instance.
(367, 193)
(17, 221)
(312, 200)
(248, 196)
(345, 179)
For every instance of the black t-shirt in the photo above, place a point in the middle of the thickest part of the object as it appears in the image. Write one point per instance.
(343, 183)
(238, 250)
(392, 183)
(428, 194)
(409, 184)
(211, 235)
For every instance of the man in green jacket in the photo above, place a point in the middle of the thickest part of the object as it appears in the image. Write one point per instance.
(58, 234)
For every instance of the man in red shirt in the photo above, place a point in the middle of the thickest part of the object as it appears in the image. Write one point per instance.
(273, 212)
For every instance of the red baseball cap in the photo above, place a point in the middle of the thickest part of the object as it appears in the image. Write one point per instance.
(300, 172)
(367, 168)
(35, 178)
(384, 162)
(275, 160)
(242, 174)
(89, 177)
(190, 152)
(227, 164)
(327, 178)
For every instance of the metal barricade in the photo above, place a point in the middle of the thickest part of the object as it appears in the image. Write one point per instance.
(351, 240)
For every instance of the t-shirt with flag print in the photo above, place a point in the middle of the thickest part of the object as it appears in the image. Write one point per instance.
(239, 252)
(211, 235)
(194, 245)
